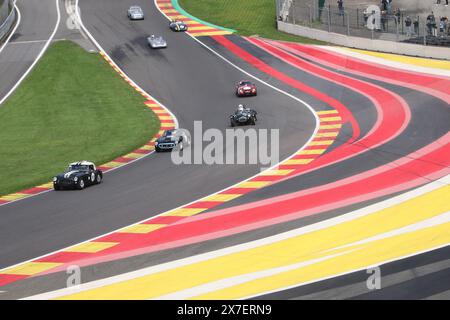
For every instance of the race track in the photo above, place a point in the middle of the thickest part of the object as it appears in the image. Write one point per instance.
(391, 129)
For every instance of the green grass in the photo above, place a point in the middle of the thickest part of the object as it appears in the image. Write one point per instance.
(73, 106)
(247, 17)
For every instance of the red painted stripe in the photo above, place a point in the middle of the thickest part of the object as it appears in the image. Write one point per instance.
(238, 190)
(393, 111)
(34, 190)
(141, 151)
(410, 172)
(430, 84)
(9, 278)
(164, 220)
(203, 204)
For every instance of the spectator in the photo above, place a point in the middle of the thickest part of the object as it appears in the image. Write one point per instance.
(341, 7)
(408, 24)
(438, 1)
(443, 26)
(398, 15)
(389, 6)
(384, 5)
(416, 26)
(431, 24)
(383, 20)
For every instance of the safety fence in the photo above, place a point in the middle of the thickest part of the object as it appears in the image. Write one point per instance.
(371, 22)
(7, 17)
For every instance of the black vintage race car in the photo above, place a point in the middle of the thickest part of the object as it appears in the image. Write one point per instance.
(78, 175)
(176, 139)
(243, 116)
(178, 26)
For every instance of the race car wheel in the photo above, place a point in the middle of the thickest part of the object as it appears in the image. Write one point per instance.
(81, 184)
(98, 180)
(56, 188)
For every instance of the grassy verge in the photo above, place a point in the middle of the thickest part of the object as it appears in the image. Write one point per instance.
(249, 17)
(73, 106)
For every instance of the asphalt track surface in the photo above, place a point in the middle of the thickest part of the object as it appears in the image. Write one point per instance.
(73, 217)
(36, 26)
(195, 85)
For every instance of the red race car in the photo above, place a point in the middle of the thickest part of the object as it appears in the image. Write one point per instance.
(245, 88)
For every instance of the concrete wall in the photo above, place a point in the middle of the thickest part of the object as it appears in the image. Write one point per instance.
(367, 44)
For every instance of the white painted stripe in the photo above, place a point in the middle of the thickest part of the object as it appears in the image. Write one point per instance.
(253, 244)
(434, 221)
(233, 281)
(389, 63)
(33, 41)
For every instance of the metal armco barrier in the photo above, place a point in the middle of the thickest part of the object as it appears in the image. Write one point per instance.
(7, 24)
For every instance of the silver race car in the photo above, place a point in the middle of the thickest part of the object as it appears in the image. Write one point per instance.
(156, 42)
(135, 13)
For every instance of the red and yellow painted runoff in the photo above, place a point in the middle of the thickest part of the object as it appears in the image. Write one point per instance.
(400, 228)
(195, 28)
(330, 124)
(166, 122)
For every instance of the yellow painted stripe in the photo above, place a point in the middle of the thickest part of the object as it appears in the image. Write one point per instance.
(331, 126)
(112, 164)
(163, 5)
(212, 33)
(91, 247)
(14, 196)
(134, 155)
(142, 228)
(30, 268)
(277, 172)
(160, 111)
(169, 10)
(422, 62)
(202, 28)
(177, 17)
(363, 256)
(48, 185)
(221, 197)
(321, 143)
(253, 184)
(297, 161)
(190, 22)
(327, 134)
(185, 212)
(312, 151)
(148, 148)
(167, 124)
(326, 112)
(300, 249)
(165, 118)
(325, 119)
